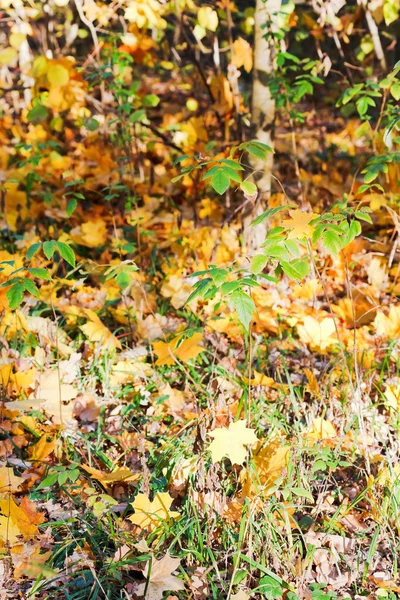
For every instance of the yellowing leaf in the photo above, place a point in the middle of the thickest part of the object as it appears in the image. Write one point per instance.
(8, 55)
(299, 224)
(242, 54)
(232, 442)
(42, 449)
(149, 515)
(207, 18)
(269, 462)
(8, 481)
(97, 332)
(160, 578)
(126, 371)
(167, 351)
(19, 520)
(16, 39)
(392, 396)
(319, 335)
(388, 326)
(121, 474)
(321, 429)
(57, 75)
(91, 233)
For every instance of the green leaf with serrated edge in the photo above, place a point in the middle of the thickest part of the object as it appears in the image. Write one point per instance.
(331, 241)
(32, 250)
(49, 249)
(232, 163)
(220, 182)
(40, 273)
(30, 287)
(257, 152)
(15, 296)
(211, 172)
(258, 263)
(229, 286)
(67, 253)
(218, 275)
(291, 271)
(363, 216)
(244, 306)
(201, 289)
(249, 188)
(292, 247)
(270, 213)
(232, 174)
(318, 231)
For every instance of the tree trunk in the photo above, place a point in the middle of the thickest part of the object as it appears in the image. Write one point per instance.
(263, 114)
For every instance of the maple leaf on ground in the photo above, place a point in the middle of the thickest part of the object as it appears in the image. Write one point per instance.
(232, 442)
(96, 331)
(321, 429)
(269, 463)
(149, 515)
(161, 579)
(189, 348)
(8, 481)
(299, 224)
(317, 334)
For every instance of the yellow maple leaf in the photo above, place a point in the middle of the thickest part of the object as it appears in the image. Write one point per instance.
(388, 326)
(167, 351)
(42, 449)
(8, 481)
(149, 515)
(321, 430)
(242, 54)
(299, 224)
(126, 371)
(269, 462)
(96, 331)
(18, 520)
(91, 233)
(232, 442)
(317, 334)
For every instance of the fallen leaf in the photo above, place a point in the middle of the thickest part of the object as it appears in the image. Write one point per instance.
(121, 474)
(8, 481)
(321, 429)
(232, 442)
(160, 578)
(150, 514)
(188, 349)
(317, 334)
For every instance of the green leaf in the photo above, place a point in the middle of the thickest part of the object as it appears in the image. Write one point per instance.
(244, 306)
(123, 279)
(138, 115)
(363, 216)
(290, 269)
(395, 90)
(220, 182)
(331, 241)
(40, 273)
(67, 253)
(270, 213)
(151, 100)
(30, 253)
(30, 287)
(354, 230)
(49, 249)
(302, 493)
(258, 263)
(15, 295)
(270, 588)
(71, 206)
(37, 114)
(48, 481)
(249, 188)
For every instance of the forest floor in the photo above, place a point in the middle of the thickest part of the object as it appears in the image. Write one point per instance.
(224, 466)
